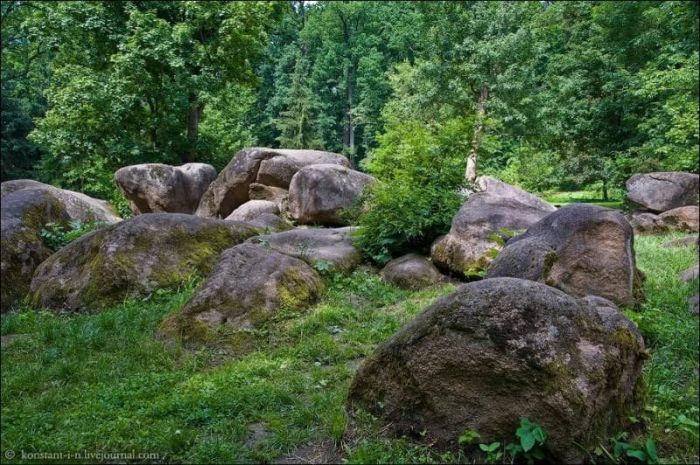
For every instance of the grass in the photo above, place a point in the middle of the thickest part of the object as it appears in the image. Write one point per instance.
(101, 383)
(561, 199)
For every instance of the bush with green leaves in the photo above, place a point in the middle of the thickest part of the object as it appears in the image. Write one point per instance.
(420, 169)
(56, 236)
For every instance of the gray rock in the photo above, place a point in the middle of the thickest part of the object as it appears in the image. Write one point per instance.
(247, 287)
(133, 258)
(682, 219)
(319, 193)
(270, 223)
(412, 271)
(470, 244)
(77, 206)
(580, 249)
(691, 273)
(159, 188)
(257, 165)
(691, 241)
(662, 191)
(694, 305)
(499, 349)
(252, 209)
(23, 214)
(277, 195)
(646, 223)
(333, 247)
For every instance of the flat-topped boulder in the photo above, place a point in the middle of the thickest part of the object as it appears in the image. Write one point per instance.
(500, 349)
(333, 247)
(77, 205)
(662, 191)
(472, 241)
(581, 249)
(159, 188)
(412, 271)
(318, 194)
(258, 165)
(133, 258)
(248, 285)
(23, 214)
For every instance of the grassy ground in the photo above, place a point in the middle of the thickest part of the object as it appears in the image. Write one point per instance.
(100, 383)
(563, 198)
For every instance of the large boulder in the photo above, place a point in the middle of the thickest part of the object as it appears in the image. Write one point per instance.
(319, 193)
(132, 258)
(682, 219)
(331, 247)
(258, 165)
(411, 271)
(23, 214)
(580, 249)
(159, 188)
(253, 209)
(77, 206)
(658, 192)
(473, 238)
(500, 349)
(248, 286)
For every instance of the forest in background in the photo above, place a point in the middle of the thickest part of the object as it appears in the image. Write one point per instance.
(548, 95)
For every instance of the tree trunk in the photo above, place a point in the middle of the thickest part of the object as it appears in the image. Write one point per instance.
(605, 190)
(472, 158)
(349, 141)
(194, 114)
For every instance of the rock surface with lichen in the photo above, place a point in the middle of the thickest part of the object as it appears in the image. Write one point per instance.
(318, 194)
(251, 169)
(77, 205)
(499, 349)
(248, 285)
(581, 249)
(23, 214)
(662, 191)
(159, 188)
(333, 248)
(133, 258)
(473, 237)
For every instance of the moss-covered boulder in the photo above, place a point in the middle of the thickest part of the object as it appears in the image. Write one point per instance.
(258, 166)
(134, 257)
(77, 206)
(473, 238)
(500, 349)
(248, 286)
(581, 249)
(330, 248)
(24, 213)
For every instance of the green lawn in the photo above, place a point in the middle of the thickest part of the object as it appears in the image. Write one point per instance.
(101, 383)
(563, 198)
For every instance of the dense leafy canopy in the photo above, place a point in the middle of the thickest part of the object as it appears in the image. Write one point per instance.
(547, 95)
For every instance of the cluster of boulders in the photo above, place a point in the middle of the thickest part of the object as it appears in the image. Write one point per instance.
(27, 208)
(664, 201)
(541, 336)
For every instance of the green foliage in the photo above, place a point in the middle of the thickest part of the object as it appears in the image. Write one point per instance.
(493, 451)
(56, 236)
(419, 171)
(532, 442)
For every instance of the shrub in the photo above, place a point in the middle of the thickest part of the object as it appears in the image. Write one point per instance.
(420, 170)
